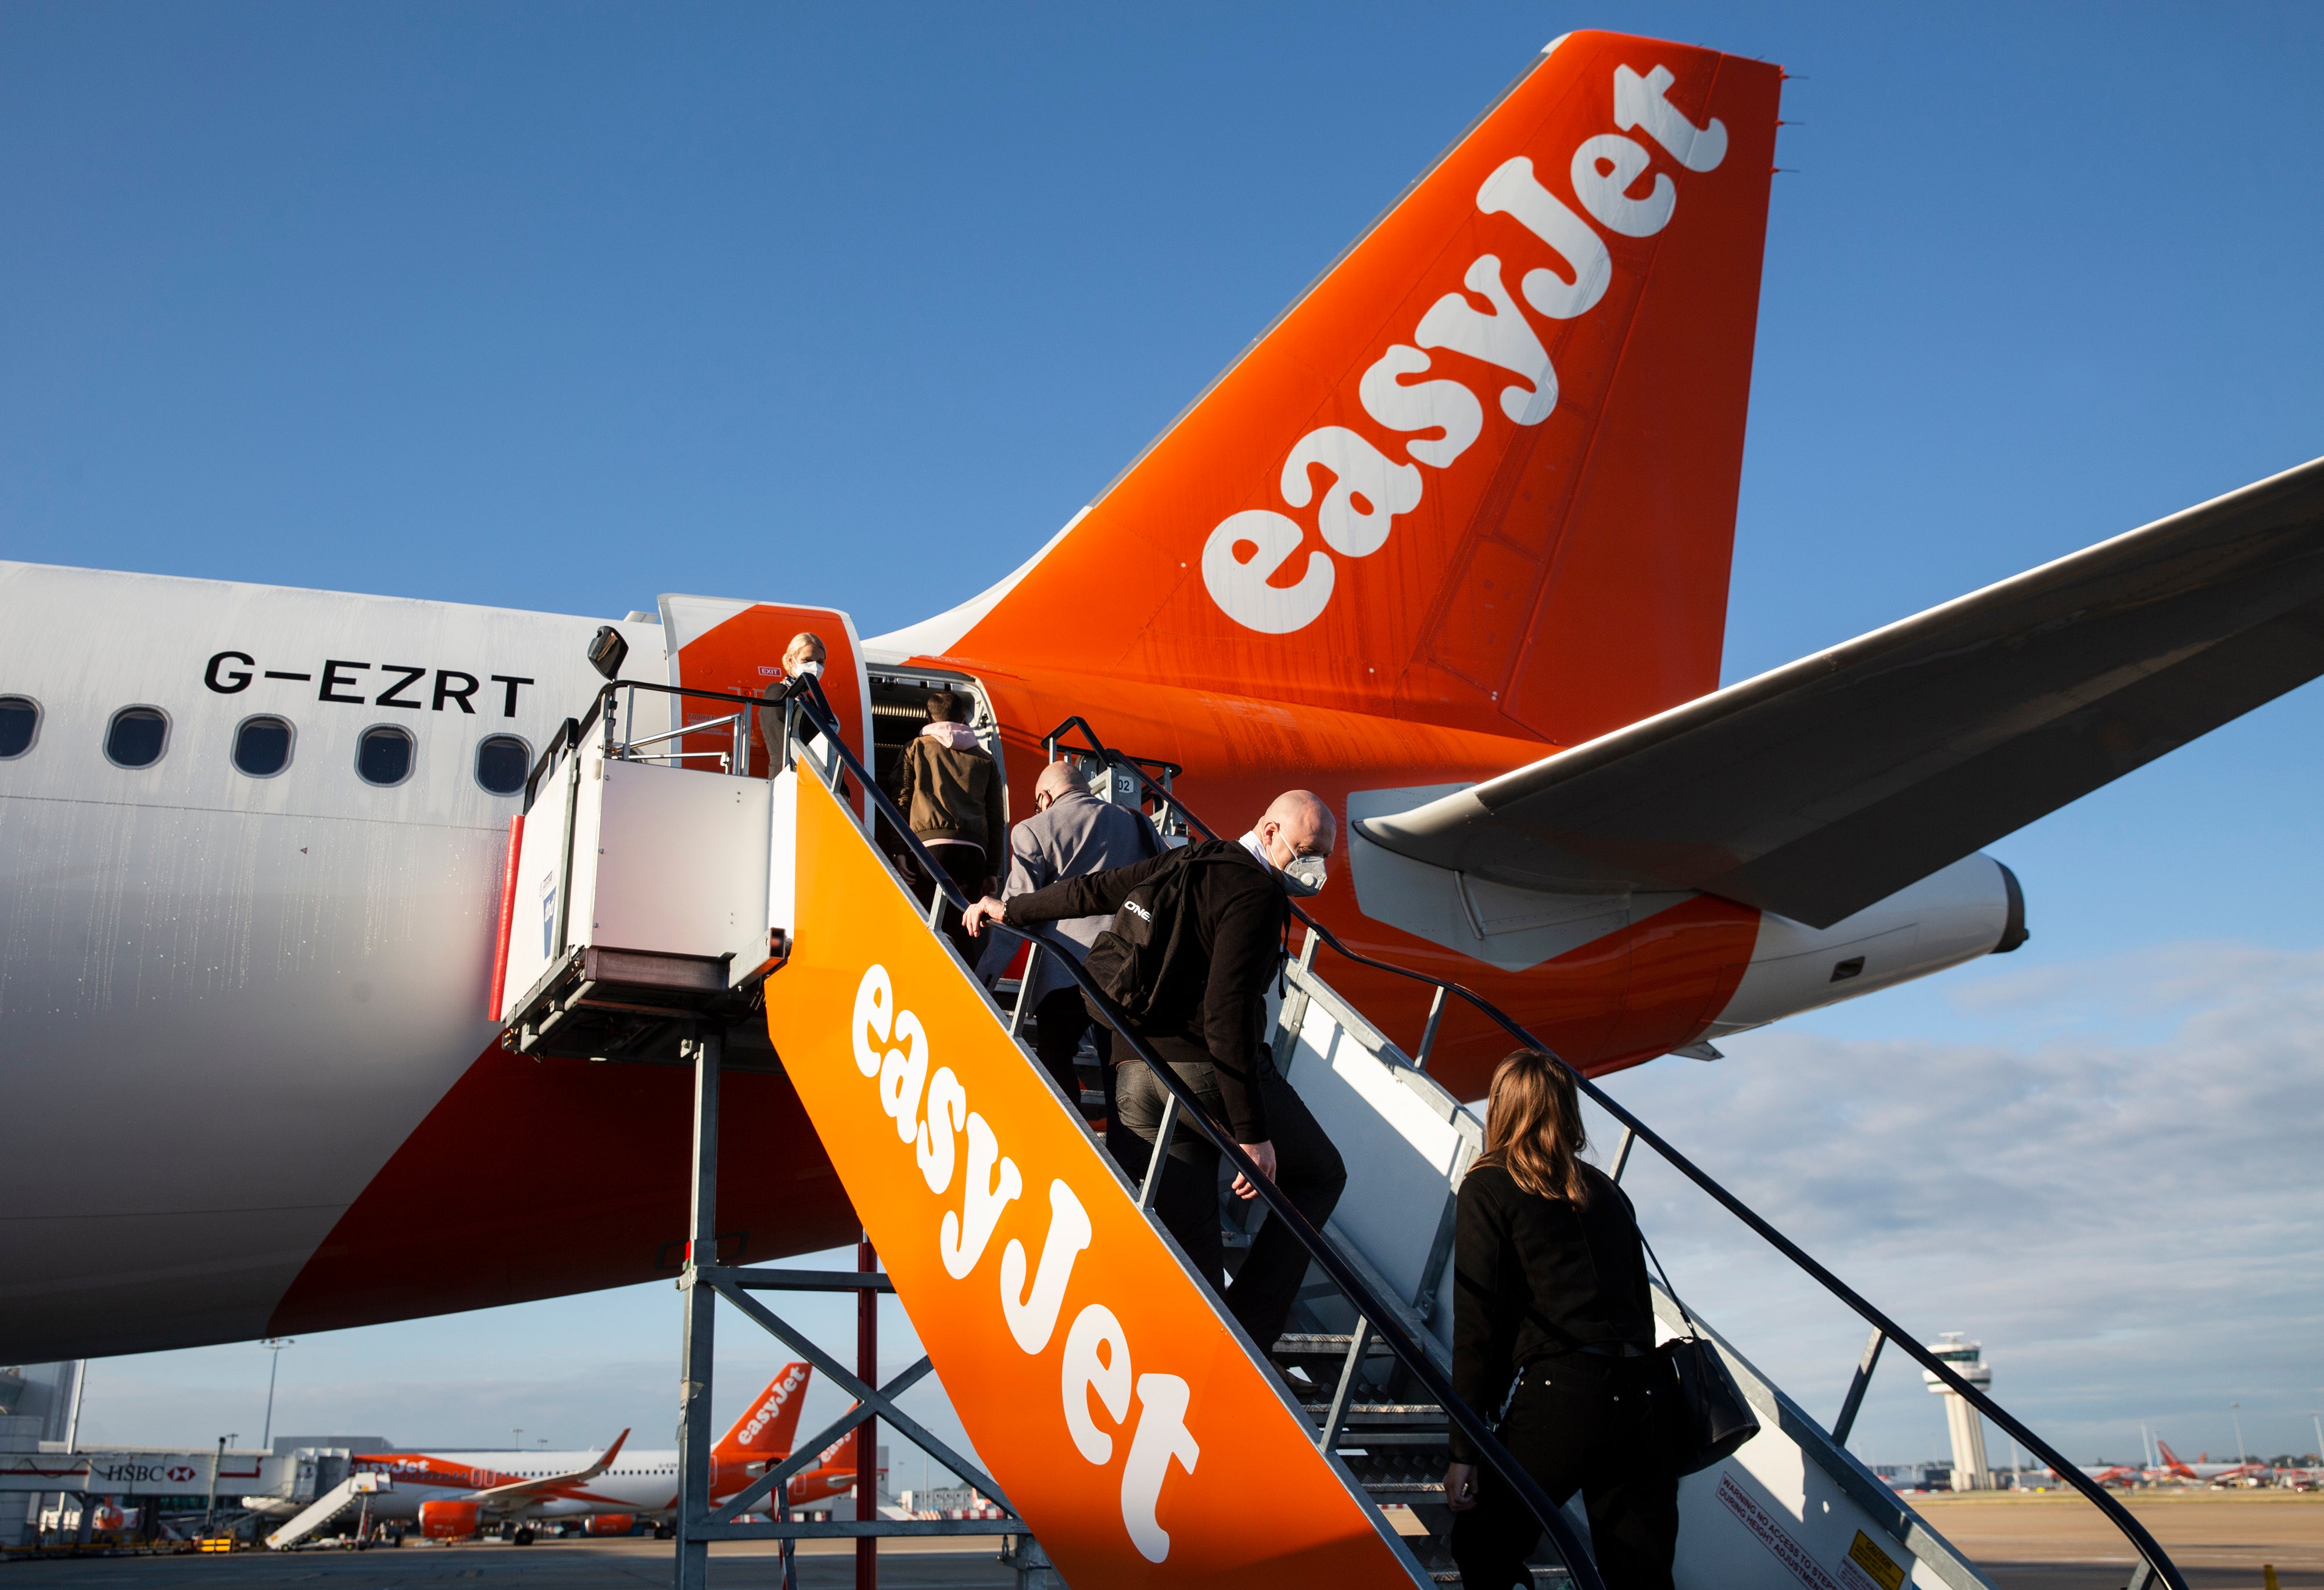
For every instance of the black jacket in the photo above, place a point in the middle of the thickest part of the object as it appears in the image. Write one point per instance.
(1214, 982)
(1533, 1276)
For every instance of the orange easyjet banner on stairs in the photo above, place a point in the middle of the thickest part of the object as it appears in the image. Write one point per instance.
(1124, 1416)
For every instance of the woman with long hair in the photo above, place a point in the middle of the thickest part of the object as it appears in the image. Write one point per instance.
(1552, 1321)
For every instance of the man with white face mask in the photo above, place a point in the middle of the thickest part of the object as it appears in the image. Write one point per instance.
(1206, 1017)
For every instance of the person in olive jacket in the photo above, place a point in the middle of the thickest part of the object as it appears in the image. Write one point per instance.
(1208, 1025)
(1551, 1314)
(949, 789)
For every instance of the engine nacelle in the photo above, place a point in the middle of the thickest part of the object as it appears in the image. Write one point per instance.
(1973, 908)
(610, 1523)
(449, 1520)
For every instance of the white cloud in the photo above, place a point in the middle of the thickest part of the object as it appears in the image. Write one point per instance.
(2132, 1224)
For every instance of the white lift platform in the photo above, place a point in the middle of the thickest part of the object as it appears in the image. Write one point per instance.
(659, 912)
(349, 1495)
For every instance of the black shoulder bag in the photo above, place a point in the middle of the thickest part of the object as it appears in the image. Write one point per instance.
(1713, 1417)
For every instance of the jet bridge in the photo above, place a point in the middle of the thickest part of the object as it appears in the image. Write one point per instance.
(1127, 1420)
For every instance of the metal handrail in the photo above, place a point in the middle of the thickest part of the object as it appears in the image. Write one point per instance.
(1380, 1315)
(2155, 1558)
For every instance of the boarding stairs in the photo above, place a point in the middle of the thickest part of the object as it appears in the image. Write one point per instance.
(351, 1494)
(1122, 1414)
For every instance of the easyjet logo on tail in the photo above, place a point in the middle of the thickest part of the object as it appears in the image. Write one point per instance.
(947, 1140)
(778, 1395)
(1370, 489)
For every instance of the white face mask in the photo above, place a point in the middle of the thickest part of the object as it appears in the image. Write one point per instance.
(806, 670)
(1305, 876)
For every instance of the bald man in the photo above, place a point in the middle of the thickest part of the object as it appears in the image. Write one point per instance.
(1208, 1023)
(1072, 834)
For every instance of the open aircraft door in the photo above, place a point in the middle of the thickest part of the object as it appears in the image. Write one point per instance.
(718, 644)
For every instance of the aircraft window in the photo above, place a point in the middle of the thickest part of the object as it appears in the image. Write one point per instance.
(502, 761)
(137, 738)
(383, 755)
(20, 721)
(262, 747)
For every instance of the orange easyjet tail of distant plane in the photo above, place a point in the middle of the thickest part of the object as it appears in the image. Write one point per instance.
(765, 1434)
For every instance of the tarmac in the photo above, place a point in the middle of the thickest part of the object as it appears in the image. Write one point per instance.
(2034, 1542)
(2057, 1541)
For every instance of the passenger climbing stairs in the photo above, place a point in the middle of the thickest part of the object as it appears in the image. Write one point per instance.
(1118, 1409)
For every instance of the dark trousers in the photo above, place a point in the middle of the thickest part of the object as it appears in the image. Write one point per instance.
(1307, 1168)
(964, 865)
(1581, 1422)
(1060, 1019)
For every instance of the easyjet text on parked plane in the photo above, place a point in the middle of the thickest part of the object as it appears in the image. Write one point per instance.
(455, 1494)
(1449, 544)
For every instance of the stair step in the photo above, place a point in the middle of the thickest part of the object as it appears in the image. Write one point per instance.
(1389, 1413)
(1309, 1346)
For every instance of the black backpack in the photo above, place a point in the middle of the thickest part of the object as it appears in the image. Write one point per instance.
(1131, 957)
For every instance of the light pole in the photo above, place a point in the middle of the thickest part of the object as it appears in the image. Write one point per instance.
(2318, 1420)
(276, 1343)
(2234, 1412)
(210, 1512)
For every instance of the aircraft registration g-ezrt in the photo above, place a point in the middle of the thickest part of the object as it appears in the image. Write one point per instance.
(1449, 544)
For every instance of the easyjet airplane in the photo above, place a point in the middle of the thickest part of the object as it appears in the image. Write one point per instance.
(456, 1493)
(1448, 543)
(2175, 1467)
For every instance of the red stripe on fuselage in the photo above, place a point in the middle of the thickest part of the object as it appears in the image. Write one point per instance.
(537, 1179)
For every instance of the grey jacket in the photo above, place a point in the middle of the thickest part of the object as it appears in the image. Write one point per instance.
(1079, 834)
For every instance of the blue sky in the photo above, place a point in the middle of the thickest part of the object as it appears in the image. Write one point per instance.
(563, 306)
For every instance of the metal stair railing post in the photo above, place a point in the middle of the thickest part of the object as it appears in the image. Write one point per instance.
(2154, 1562)
(1579, 1564)
(1854, 1398)
(1348, 1371)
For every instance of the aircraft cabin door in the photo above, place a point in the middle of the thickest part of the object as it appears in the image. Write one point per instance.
(717, 643)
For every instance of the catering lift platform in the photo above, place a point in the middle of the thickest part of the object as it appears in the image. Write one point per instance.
(727, 893)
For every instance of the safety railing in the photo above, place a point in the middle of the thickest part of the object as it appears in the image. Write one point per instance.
(2153, 1566)
(1181, 1109)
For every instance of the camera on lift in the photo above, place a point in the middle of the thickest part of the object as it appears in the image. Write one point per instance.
(606, 650)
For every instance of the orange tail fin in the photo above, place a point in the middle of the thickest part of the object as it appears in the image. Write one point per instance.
(839, 1455)
(765, 1433)
(1484, 471)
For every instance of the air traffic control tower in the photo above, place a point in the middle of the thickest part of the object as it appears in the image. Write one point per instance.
(1966, 1359)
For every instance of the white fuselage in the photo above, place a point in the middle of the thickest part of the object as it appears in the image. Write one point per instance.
(226, 999)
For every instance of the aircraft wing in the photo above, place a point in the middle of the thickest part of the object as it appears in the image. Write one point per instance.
(518, 1491)
(1817, 788)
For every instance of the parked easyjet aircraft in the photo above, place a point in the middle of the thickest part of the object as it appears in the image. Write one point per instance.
(1448, 543)
(2175, 1467)
(455, 1494)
